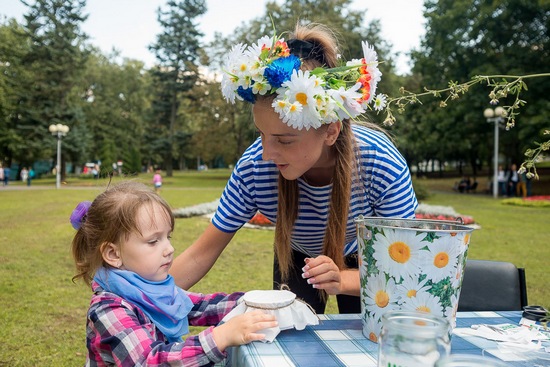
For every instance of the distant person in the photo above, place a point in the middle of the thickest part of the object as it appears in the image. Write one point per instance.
(24, 174)
(472, 187)
(7, 172)
(502, 181)
(30, 176)
(137, 315)
(157, 180)
(464, 184)
(2, 174)
(513, 180)
(522, 185)
(528, 185)
(95, 171)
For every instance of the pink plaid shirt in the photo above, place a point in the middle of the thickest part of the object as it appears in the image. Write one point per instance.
(118, 333)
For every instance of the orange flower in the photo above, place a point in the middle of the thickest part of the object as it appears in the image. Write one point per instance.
(281, 49)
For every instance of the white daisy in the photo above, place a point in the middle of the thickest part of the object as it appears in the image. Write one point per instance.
(302, 88)
(374, 328)
(279, 105)
(230, 78)
(380, 295)
(442, 260)
(380, 102)
(255, 49)
(410, 287)
(398, 253)
(424, 302)
(369, 54)
(287, 110)
(450, 312)
(456, 279)
(346, 101)
(246, 70)
(466, 240)
(260, 87)
(326, 107)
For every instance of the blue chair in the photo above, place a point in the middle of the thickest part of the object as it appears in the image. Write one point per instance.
(492, 286)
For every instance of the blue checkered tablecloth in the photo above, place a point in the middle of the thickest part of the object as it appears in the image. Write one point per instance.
(338, 341)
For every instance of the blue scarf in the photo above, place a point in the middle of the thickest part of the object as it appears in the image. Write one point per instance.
(163, 302)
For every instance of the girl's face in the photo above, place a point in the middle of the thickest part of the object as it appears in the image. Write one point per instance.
(150, 253)
(295, 152)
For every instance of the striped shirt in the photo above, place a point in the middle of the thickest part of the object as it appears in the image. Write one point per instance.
(384, 188)
(118, 333)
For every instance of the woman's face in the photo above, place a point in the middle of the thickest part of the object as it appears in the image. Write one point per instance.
(294, 151)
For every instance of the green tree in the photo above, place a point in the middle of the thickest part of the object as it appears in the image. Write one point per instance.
(116, 111)
(466, 38)
(14, 46)
(56, 59)
(177, 50)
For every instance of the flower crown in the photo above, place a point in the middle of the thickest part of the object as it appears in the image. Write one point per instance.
(304, 99)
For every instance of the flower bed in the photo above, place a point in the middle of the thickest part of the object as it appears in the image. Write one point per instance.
(539, 201)
(465, 219)
(424, 212)
(438, 212)
(260, 220)
(537, 198)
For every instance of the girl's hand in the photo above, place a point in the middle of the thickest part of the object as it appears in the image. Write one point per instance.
(242, 329)
(322, 273)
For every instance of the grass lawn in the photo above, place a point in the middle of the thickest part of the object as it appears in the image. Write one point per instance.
(42, 312)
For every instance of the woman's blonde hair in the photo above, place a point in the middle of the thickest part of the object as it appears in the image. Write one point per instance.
(345, 171)
(111, 218)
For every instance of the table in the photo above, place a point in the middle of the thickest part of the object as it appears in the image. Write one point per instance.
(338, 341)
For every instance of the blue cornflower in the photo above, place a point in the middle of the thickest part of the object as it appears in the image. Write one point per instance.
(280, 70)
(246, 94)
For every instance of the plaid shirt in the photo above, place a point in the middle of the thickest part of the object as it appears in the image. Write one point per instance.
(118, 333)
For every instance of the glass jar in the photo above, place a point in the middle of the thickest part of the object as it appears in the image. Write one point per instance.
(469, 360)
(413, 339)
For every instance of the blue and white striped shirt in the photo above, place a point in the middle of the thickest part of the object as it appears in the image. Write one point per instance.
(384, 189)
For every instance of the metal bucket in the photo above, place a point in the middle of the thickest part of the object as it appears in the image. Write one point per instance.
(409, 265)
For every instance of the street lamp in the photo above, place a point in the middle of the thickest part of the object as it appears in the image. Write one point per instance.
(496, 116)
(60, 131)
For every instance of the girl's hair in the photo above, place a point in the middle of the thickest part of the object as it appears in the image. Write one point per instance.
(325, 44)
(111, 218)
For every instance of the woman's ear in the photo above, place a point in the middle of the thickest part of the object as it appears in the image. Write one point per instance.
(333, 131)
(111, 254)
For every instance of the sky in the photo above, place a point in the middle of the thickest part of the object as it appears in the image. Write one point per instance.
(130, 26)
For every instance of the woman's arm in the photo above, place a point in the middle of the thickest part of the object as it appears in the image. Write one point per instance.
(193, 264)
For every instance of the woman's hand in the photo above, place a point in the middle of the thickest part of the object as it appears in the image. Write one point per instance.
(242, 329)
(322, 273)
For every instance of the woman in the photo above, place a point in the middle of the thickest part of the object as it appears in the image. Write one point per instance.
(311, 172)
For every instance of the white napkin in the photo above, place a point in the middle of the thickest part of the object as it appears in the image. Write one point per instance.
(510, 338)
(290, 313)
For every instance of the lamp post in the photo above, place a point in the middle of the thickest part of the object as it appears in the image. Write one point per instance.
(496, 116)
(60, 131)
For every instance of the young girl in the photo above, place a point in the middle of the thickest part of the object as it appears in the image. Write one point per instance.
(137, 315)
(312, 171)
(157, 180)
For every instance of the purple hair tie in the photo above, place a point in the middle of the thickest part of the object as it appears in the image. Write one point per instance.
(79, 213)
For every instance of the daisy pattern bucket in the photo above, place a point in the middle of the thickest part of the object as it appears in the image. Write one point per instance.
(409, 265)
